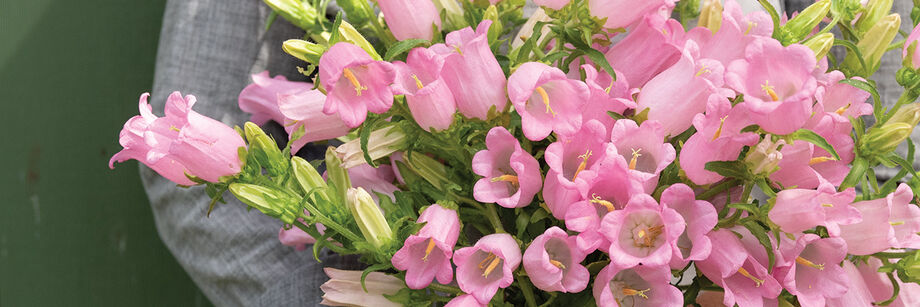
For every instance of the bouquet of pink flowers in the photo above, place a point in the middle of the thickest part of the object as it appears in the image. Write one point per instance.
(485, 157)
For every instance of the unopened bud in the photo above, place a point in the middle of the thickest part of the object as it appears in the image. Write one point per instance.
(875, 11)
(909, 268)
(337, 174)
(908, 114)
(495, 30)
(428, 168)
(297, 12)
(883, 140)
(873, 45)
(265, 150)
(304, 50)
(307, 176)
(820, 44)
(711, 15)
(269, 201)
(764, 158)
(357, 11)
(348, 33)
(453, 18)
(802, 24)
(369, 218)
(380, 143)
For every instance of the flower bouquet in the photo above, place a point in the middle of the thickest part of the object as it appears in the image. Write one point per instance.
(609, 152)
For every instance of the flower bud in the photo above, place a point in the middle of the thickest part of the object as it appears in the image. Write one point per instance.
(297, 12)
(348, 33)
(265, 150)
(884, 139)
(875, 11)
(428, 168)
(908, 114)
(764, 158)
(711, 15)
(909, 268)
(820, 44)
(873, 45)
(369, 217)
(453, 19)
(495, 30)
(802, 24)
(307, 176)
(357, 11)
(269, 201)
(304, 50)
(337, 174)
(380, 143)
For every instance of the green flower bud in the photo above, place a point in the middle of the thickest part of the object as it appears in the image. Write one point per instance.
(453, 14)
(304, 50)
(908, 114)
(873, 45)
(820, 44)
(265, 150)
(711, 15)
(348, 33)
(495, 30)
(307, 176)
(802, 24)
(875, 11)
(909, 268)
(269, 201)
(380, 143)
(428, 168)
(337, 174)
(357, 11)
(301, 14)
(883, 140)
(369, 217)
(764, 158)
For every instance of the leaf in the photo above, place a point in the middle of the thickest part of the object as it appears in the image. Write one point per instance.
(732, 169)
(373, 268)
(773, 14)
(903, 163)
(334, 38)
(761, 234)
(401, 47)
(854, 49)
(860, 166)
(814, 138)
(271, 19)
(616, 115)
(364, 136)
(868, 87)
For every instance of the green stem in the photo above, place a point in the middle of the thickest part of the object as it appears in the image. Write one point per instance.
(326, 221)
(905, 98)
(524, 284)
(492, 215)
(444, 288)
(893, 255)
(334, 248)
(747, 192)
(894, 294)
(719, 188)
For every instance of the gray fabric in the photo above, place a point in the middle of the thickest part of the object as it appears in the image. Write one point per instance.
(208, 48)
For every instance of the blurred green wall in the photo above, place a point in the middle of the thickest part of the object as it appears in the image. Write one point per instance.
(73, 232)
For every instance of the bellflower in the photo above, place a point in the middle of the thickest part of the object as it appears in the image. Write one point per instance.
(295, 237)
(642, 233)
(409, 19)
(381, 143)
(345, 288)
(736, 31)
(182, 142)
(572, 163)
(375, 180)
(487, 265)
(857, 293)
(842, 99)
(777, 84)
(553, 262)
(546, 100)
(739, 268)
(797, 210)
(465, 300)
(700, 216)
(647, 50)
(718, 137)
(811, 271)
(881, 288)
(805, 165)
(304, 108)
(261, 97)
(909, 51)
(466, 53)
(512, 176)
(645, 149)
(623, 13)
(363, 83)
(638, 286)
(607, 95)
(886, 222)
(441, 231)
(419, 79)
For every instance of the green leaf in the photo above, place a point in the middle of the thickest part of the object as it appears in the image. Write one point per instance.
(401, 47)
(364, 136)
(271, 19)
(616, 115)
(334, 38)
(731, 169)
(374, 268)
(761, 234)
(773, 14)
(854, 49)
(903, 163)
(860, 166)
(814, 138)
(868, 87)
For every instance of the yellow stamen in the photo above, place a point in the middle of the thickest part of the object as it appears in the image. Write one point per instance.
(827, 205)
(770, 90)
(509, 178)
(633, 292)
(482, 263)
(807, 262)
(457, 48)
(418, 83)
(757, 281)
(609, 87)
(584, 163)
(719, 131)
(173, 128)
(817, 160)
(545, 97)
(648, 236)
(751, 26)
(557, 264)
(635, 158)
(428, 249)
(703, 70)
(354, 81)
(896, 223)
(843, 109)
(491, 266)
(597, 200)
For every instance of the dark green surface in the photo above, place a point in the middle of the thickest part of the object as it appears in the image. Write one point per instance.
(73, 232)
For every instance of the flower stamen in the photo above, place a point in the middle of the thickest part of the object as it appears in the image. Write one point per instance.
(627, 291)
(545, 98)
(418, 83)
(597, 200)
(635, 158)
(557, 264)
(770, 90)
(807, 262)
(354, 81)
(843, 109)
(492, 266)
(428, 249)
(719, 131)
(757, 281)
(817, 160)
(583, 164)
(509, 178)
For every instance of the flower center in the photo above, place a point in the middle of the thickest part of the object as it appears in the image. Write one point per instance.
(807, 262)
(817, 160)
(843, 109)
(757, 281)
(750, 27)
(492, 261)
(719, 131)
(418, 83)
(583, 164)
(646, 237)
(635, 158)
(508, 178)
(557, 263)
(545, 98)
(354, 81)
(428, 249)
(627, 291)
(770, 90)
(703, 70)
(597, 200)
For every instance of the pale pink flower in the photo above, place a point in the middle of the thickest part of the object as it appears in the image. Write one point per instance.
(547, 100)
(344, 288)
(739, 267)
(512, 176)
(304, 108)
(645, 148)
(843, 99)
(487, 265)
(426, 255)
(471, 71)
(797, 210)
(642, 233)
(811, 271)
(700, 216)
(638, 286)
(355, 82)
(295, 237)
(419, 79)
(573, 162)
(607, 95)
(409, 19)
(912, 39)
(737, 30)
(181, 143)
(718, 138)
(374, 180)
(623, 13)
(553, 262)
(886, 222)
(465, 300)
(260, 98)
(857, 292)
(647, 50)
(880, 286)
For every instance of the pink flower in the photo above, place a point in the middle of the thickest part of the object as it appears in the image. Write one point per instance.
(738, 267)
(638, 286)
(471, 71)
(344, 288)
(911, 51)
(691, 81)
(881, 288)
(646, 51)
(304, 108)
(574, 161)
(295, 237)
(700, 216)
(374, 180)
(645, 149)
(363, 83)
(607, 95)
(553, 4)
(843, 99)
(487, 265)
(857, 293)
(546, 100)
(261, 97)
(553, 262)
(797, 210)
(430, 101)
(718, 138)
(886, 222)
(409, 19)
(642, 233)
(441, 231)
(811, 272)
(465, 300)
(736, 32)
(623, 13)
(512, 176)
(183, 142)
(777, 84)
(805, 165)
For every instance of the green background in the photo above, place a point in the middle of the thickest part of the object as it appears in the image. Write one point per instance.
(73, 232)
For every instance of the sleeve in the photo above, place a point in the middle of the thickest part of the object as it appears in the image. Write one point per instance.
(209, 48)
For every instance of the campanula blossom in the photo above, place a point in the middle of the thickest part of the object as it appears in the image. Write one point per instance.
(811, 271)
(842, 99)
(881, 288)
(487, 265)
(700, 216)
(735, 32)
(887, 222)
(636, 286)
(645, 148)
(426, 255)
(511, 175)
(429, 99)
(260, 98)
(355, 83)
(797, 210)
(647, 50)
(607, 95)
(718, 137)
(573, 161)
(909, 51)
(547, 100)
(466, 53)
(553, 262)
(623, 13)
(857, 293)
(409, 19)
(304, 108)
(295, 237)
(465, 300)
(345, 288)
(181, 143)
(642, 233)
(740, 268)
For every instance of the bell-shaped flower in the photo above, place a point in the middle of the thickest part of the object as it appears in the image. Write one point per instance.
(426, 255)
(693, 244)
(843, 99)
(805, 165)
(909, 52)
(647, 49)
(886, 222)
(304, 108)
(857, 292)
(355, 82)
(295, 237)
(797, 210)
(347, 288)
(691, 81)
(881, 288)
(409, 19)
(638, 286)
(376, 180)
(511, 175)
(645, 149)
(558, 197)
(381, 143)
(739, 268)
(572, 157)
(735, 32)
(812, 272)
(547, 100)
(260, 98)
(467, 54)
(795, 167)
(642, 233)
(607, 95)
(718, 137)
(553, 262)
(623, 13)
(465, 300)
(777, 84)
(429, 99)
(487, 265)
(181, 143)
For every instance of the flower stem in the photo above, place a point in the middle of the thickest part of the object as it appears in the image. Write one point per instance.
(719, 188)
(492, 215)
(524, 284)
(444, 288)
